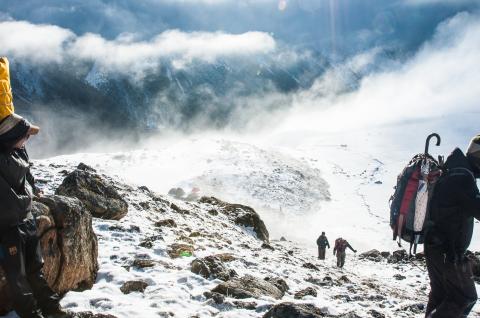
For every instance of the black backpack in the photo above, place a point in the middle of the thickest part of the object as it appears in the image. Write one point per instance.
(410, 202)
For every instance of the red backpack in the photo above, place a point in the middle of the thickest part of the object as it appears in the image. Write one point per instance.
(410, 203)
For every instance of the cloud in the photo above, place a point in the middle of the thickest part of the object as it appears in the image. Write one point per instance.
(49, 43)
(41, 43)
(440, 80)
(171, 44)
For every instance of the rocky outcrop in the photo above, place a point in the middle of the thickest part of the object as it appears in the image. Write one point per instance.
(68, 243)
(212, 267)
(99, 195)
(248, 287)
(242, 215)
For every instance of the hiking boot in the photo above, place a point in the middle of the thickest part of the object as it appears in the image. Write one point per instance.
(54, 310)
(36, 314)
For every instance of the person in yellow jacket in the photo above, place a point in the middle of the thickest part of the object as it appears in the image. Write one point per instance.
(20, 251)
(6, 97)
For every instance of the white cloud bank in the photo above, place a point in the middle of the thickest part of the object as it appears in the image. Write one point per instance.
(49, 43)
(441, 79)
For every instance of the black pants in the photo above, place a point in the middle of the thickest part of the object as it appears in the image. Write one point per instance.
(321, 252)
(21, 259)
(452, 292)
(341, 258)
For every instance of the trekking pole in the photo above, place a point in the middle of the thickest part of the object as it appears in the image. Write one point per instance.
(427, 142)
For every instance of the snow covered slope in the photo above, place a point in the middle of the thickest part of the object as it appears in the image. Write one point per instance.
(363, 287)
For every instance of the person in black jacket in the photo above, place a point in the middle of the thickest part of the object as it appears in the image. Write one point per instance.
(454, 206)
(20, 253)
(322, 243)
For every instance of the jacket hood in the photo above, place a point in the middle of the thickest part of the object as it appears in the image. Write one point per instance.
(457, 159)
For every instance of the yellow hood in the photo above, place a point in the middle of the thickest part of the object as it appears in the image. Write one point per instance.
(6, 98)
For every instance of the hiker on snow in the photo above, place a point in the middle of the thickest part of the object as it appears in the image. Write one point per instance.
(20, 254)
(340, 250)
(455, 204)
(322, 243)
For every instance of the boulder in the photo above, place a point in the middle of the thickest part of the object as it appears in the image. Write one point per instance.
(398, 256)
(133, 286)
(217, 298)
(280, 283)
(166, 223)
(241, 215)
(310, 266)
(179, 249)
(291, 310)
(212, 267)
(68, 243)
(309, 291)
(248, 287)
(99, 195)
(372, 255)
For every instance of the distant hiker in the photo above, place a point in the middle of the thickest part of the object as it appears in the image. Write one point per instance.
(454, 205)
(340, 250)
(20, 253)
(322, 243)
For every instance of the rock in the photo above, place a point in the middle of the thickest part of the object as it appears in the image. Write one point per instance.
(84, 167)
(249, 305)
(99, 196)
(248, 287)
(398, 256)
(399, 277)
(418, 308)
(309, 291)
(68, 244)
(179, 249)
(241, 215)
(217, 297)
(385, 254)
(143, 263)
(166, 223)
(226, 257)
(211, 267)
(279, 283)
(375, 314)
(213, 212)
(267, 246)
(149, 241)
(372, 255)
(291, 310)
(283, 239)
(133, 286)
(177, 193)
(89, 314)
(310, 266)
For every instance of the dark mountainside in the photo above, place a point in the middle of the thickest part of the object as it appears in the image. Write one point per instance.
(79, 102)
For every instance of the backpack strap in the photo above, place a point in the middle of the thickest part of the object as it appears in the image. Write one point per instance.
(460, 171)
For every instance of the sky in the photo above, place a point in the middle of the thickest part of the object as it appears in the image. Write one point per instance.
(434, 46)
